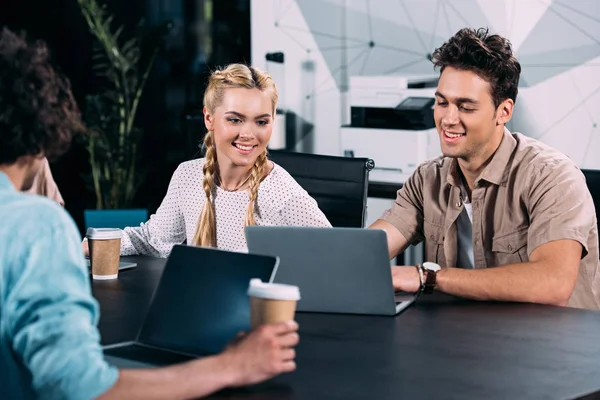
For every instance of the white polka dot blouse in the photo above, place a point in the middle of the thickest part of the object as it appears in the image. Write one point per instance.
(281, 202)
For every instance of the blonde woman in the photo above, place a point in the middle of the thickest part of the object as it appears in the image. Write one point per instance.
(211, 200)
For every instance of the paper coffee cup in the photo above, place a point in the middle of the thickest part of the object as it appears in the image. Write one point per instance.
(271, 302)
(105, 252)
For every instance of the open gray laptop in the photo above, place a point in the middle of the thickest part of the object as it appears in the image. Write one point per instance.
(200, 304)
(338, 270)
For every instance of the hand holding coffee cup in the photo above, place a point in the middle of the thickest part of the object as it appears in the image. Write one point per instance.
(261, 354)
(105, 252)
(271, 302)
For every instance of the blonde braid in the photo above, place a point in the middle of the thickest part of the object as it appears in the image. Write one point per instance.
(206, 231)
(256, 176)
(233, 76)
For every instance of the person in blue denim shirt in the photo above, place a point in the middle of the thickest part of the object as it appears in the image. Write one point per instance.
(49, 341)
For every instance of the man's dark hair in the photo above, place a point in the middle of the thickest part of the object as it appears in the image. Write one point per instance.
(37, 111)
(489, 56)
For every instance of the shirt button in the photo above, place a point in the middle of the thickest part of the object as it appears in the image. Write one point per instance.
(476, 242)
(509, 247)
(431, 237)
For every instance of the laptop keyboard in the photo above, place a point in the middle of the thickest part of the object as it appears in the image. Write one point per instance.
(401, 297)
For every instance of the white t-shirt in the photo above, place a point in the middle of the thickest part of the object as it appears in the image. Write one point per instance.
(464, 225)
(281, 202)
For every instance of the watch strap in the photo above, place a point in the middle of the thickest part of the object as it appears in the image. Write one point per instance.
(430, 281)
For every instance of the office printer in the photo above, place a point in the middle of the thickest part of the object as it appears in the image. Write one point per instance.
(391, 122)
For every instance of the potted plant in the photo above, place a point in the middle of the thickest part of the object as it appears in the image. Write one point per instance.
(113, 140)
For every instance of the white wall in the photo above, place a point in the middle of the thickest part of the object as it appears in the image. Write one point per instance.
(557, 42)
(313, 96)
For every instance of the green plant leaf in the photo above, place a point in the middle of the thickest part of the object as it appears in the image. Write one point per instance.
(112, 139)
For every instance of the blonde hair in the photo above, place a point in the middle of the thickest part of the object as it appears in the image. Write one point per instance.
(234, 76)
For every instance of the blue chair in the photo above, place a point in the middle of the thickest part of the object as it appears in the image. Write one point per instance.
(114, 218)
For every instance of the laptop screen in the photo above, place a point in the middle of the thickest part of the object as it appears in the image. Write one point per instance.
(201, 301)
(315, 258)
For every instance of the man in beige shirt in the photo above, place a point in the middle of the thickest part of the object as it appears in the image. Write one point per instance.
(495, 198)
(44, 185)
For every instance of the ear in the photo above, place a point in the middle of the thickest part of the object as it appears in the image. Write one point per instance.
(209, 121)
(504, 112)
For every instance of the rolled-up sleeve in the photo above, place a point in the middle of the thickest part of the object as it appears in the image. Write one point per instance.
(51, 319)
(165, 229)
(406, 213)
(560, 206)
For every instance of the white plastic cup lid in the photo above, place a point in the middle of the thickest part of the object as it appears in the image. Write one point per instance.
(103, 233)
(105, 277)
(273, 291)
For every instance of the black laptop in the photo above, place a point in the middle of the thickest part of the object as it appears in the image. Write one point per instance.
(200, 304)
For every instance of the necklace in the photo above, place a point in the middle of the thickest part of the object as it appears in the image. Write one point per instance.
(238, 187)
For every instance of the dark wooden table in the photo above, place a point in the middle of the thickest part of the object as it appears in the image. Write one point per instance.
(440, 348)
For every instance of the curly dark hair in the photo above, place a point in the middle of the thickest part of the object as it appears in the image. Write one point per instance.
(489, 56)
(38, 114)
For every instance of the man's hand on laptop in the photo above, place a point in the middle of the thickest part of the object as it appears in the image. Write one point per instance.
(263, 353)
(406, 279)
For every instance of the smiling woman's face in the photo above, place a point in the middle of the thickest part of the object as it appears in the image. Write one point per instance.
(242, 126)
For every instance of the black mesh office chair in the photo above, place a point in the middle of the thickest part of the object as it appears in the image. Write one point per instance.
(592, 178)
(338, 184)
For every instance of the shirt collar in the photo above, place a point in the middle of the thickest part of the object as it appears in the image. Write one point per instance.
(497, 170)
(5, 183)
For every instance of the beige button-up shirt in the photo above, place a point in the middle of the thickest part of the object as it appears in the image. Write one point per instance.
(528, 195)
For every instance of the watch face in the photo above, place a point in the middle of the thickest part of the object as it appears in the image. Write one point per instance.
(431, 266)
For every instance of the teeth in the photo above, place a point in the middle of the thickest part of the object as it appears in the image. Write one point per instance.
(454, 135)
(245, 148)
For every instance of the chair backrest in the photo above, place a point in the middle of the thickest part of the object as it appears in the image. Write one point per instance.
(114, 218)
(592, 178)
(338, 184)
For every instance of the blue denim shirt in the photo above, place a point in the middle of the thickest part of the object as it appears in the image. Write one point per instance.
(49, 342)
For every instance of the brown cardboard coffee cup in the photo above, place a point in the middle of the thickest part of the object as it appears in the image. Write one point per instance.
(271, 302)
(105, 252)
